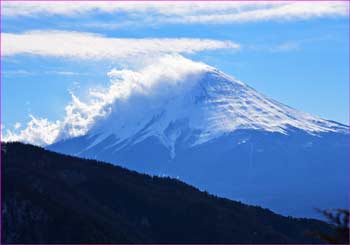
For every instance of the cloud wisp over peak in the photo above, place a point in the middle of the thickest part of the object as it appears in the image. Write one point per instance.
(157, 79)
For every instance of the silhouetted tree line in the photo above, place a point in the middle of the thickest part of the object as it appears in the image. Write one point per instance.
(340, 219)
(53, 198)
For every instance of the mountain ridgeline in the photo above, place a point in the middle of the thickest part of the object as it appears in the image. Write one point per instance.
(220, 135)
(53, 198)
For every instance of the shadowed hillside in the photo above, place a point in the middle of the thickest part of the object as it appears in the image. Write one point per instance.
(53, 198)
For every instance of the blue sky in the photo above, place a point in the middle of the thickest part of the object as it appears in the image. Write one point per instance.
(295, 54)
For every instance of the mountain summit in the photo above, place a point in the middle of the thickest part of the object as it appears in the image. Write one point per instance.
(195, 101)
(189, 120)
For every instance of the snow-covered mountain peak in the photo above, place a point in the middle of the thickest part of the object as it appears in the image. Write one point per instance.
(179, 98)
(187, 120)
(171, 98)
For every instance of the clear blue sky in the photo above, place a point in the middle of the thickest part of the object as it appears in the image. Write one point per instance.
(300, 61)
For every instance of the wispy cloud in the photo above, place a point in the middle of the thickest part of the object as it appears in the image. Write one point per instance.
(17, 72)
(93, 46)
(53, 72)
(38, 131)
(163, 77)
(285, 47)
(280, 11)
(65, 73)
(184, 12)
(276, 48)
(289, 45)
(17, 125)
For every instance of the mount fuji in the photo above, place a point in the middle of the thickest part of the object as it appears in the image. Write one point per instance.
(190, 121)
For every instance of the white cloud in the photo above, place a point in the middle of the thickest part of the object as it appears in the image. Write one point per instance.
(17, 125)
(185, 12)
(277, 48)
(286, 11)
(287, 46)
(64, 73)
(93, 46)
(27, 73)
(17, 72)
(39, 131)
(166, 76)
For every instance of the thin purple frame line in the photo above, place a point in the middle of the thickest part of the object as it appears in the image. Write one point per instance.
(174, 0)
(0, 127)
(349, 103)
(145, 1)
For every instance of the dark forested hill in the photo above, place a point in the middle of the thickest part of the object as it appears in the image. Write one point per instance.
(53, 198)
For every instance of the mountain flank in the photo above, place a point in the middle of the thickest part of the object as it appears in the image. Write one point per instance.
(218, 134)
(53, 198)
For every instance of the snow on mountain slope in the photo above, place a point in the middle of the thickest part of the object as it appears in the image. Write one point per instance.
(177, 95)
(187, 120)
(169, 96)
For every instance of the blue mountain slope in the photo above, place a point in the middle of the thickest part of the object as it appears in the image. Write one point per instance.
(217, 133)
(290, 174)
